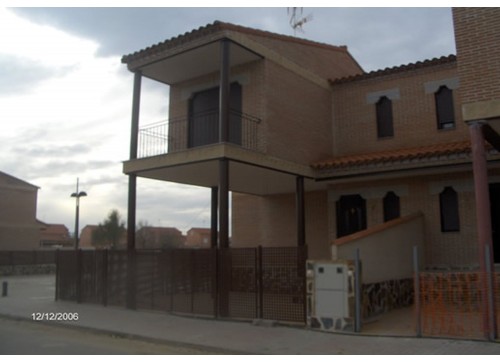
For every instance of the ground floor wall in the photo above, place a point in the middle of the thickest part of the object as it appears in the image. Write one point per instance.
(271, 220)
(442, 249)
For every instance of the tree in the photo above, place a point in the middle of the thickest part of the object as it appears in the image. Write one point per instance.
(109, 233)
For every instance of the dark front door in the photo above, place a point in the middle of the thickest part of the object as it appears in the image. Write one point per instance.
(495, 219)
(351, 214)
(204, 117)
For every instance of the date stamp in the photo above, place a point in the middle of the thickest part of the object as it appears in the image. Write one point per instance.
(54, 316)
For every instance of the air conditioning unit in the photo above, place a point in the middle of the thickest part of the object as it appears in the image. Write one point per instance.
(330, 295)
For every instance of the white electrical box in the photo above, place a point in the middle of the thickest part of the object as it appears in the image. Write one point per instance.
(330, 295)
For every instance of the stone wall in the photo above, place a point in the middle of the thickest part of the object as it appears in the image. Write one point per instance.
(385, 296)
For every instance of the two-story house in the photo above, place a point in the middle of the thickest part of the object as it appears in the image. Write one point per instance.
(314, 150)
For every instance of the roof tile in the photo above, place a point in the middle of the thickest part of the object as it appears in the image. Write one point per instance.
(399, 155)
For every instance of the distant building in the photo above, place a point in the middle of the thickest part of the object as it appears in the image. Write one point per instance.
(151, 237)
(86, 238)
(198, 238)
(19, 229)
(54, 235)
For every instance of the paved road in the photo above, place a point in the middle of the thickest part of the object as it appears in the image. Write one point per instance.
(35, 338)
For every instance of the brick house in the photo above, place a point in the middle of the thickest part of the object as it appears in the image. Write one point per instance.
(318, 152)
(19, 229)
(198, 238)
(55, 235)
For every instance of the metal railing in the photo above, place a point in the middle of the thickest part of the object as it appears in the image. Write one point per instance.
(202, 129)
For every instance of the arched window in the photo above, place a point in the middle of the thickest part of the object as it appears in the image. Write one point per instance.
(444, 108)
(391, 206)
(448, 203)
(351, 214)
(384, 117)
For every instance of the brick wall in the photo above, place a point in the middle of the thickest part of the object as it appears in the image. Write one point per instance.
(271, 221)
(442, 249)
(477, 36)
(298, 116)
(414, 113)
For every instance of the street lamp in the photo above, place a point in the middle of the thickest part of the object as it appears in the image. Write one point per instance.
(77, 195)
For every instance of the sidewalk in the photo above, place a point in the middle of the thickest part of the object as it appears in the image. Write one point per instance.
(31, 294)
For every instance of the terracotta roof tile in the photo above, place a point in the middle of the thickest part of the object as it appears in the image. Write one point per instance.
(400, 155)
(401, 68)
(215, 27)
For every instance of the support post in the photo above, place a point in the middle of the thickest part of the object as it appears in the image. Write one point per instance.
(223, 203)
(483, 212)
(416, 278)
(132, 181)
(224, 88)
(300, 211)
(357, 288)
(214, 217)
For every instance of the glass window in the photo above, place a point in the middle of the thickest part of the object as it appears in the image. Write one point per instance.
(448, 202)
(384, 117)
(391, 206)
(444, 108)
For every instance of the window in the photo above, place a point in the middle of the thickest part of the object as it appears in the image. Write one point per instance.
(448, 203)
(444, 108)
(351, 214)
(203, 124)
(384, 117)
(391, 206)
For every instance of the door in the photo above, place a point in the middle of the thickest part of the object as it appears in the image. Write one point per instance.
(351, 214)
(204, 117)
(495, 220)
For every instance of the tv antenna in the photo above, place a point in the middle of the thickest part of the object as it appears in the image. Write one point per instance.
(297, 20)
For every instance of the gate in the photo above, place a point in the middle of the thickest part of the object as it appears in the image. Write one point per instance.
(247, 283)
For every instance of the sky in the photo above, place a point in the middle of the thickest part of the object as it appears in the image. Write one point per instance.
(66, 99)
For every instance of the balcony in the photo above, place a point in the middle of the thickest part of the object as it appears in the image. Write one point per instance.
(202, 129)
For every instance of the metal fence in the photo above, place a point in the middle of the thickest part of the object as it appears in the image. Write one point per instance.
(27, 257)
(266, 283)
(453, 304)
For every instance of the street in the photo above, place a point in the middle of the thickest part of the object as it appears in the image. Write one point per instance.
(36, 338)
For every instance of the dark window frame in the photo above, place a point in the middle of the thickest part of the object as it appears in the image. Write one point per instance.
(392, 206)
(449, 210)
(351, 214)
(445, 108)
(385, 119)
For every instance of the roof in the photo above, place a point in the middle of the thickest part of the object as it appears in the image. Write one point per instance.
(399, 155)
(11, 180)
(218, 26)
(397, 69)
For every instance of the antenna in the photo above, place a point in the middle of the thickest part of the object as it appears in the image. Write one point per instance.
(297, 20)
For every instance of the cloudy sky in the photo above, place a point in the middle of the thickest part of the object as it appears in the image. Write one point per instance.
(65, 97)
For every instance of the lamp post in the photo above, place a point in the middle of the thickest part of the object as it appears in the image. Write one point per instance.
(77, 195)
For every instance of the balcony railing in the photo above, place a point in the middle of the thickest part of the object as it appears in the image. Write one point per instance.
(203, 129)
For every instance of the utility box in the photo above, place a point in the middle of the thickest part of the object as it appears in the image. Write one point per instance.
(331, 295)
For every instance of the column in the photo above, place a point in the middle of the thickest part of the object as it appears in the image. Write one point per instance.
(223, 203)
(132, 179)
(300, 211)
(483, 213)
(213, 217)
(224, 87)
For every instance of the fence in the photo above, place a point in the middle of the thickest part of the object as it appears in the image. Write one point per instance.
(267, 283)
(27, 257)
(452, 304)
